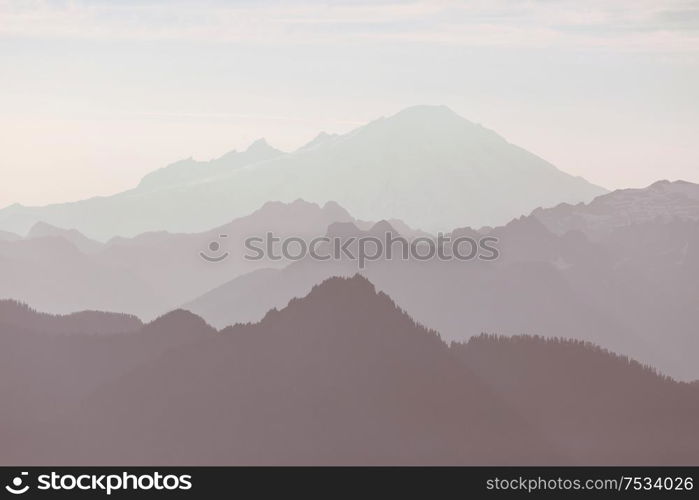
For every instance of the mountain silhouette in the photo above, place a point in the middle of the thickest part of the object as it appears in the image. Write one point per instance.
(249, 297)
(82, 243)
(320, 140)
(49, 364)
(13, 313)
(661, 201)
(190, 171)
(618, 291)
(425, 165)
(588, 401)
(60, 271)
(341, 376)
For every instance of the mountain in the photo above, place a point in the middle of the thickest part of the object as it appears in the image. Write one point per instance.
(13, 313)
(341, 376)
(568, 389)
(49, 364)
(5, 236)
(320, 140)
(425, 165)
(619, 291)
(661, 201)
(247, 298)
(52, 275)
(82, 243)
(192, 171)
(63, 271)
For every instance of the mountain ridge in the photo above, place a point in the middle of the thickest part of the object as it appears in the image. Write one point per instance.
(425, 165)
(356, 380)
(663, 199)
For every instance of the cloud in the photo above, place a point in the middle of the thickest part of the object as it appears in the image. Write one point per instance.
(671, 25)
(685, 20)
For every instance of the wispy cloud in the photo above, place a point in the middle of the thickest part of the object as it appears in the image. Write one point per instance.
(235, 116)
(671, 25)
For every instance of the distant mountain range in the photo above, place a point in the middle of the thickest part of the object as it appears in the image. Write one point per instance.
(617, 288)
(133, 330)
(612, 284)
(662, 201)
(425, 165)
(62, 271)
(341, 376)
(76, 238)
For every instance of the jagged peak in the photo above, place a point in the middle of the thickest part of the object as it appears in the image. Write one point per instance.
(340, 229)
(382, 227)
(41, 227)
(277, 205)
(321, 139)
(260, 145)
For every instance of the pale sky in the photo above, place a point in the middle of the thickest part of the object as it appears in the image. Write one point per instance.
(93, 95)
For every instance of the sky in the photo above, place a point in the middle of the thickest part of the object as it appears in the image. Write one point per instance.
(94, 95)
